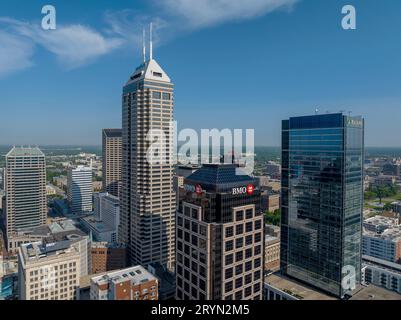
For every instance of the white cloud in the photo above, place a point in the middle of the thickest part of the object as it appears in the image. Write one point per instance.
(15, 54)
(204, 13)
(73, 45)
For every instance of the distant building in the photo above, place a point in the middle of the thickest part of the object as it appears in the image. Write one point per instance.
(270, 201)
(386, 245)
(61, 182)
(272, 230)
(220, 237)
(48, 271)
(181, 173)
(383, 181)
(108, 257)
(272, 253)
(273, 169)
(112, 160)
(379, 224)
(8, 279)
(26, 202)
(135, 283)
(107, 210)
(391, 169)
(396, 207)
(50, 190)
(80, 190)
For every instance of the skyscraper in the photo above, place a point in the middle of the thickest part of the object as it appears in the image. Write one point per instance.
(322, 201)
(220, 236)
(25, 185)
(112, 160)
(147, 197)
(80, 189)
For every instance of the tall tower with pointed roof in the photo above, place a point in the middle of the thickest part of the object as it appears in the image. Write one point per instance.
(147, 195)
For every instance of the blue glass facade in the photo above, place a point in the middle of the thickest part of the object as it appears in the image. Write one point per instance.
(322, 200)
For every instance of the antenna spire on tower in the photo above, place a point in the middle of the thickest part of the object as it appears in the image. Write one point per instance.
(143, 46)
(151, 42)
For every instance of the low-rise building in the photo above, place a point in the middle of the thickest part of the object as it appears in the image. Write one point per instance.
(48, 271)
(381, 273)
(386, 245)
(135, 283)
(107, 257)
(272, 253)
(379, 224)
(280, 287)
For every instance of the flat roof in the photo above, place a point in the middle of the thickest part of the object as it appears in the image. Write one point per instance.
(295, 288)
(136, 275)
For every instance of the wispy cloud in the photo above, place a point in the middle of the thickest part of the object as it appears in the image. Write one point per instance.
(73, 45)
(76, 45)
(15, 53)
(206, 13)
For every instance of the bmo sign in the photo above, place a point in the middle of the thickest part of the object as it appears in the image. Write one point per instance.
(249, 189)
(191, 188)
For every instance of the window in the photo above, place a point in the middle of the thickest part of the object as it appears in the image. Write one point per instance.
(256, 275)
(239, 215)
(257, 263)
(179, 233)
(194, 240)
(248, 227)
(258, 249)
(258, 224)
(156, 94)
(238, 295)
(158, 74)
(195, 214)
(238, 269)
(228, 286)
(248, 240)
(229, 273)
(229, 259)
(239, 242)
(166, 96)
(248, 291)
(249, 213)
(239, 256)
(194, 227)
(229, 245)
(238, 283)
(248, 253)
(258, 237)
(229, 232)
(239, 229)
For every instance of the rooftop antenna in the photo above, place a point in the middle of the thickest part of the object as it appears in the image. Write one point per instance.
(151, 42)
(143, 46)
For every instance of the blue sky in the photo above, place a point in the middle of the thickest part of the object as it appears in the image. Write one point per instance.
(235, 64)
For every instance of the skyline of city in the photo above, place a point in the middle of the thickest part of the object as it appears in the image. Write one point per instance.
(259, 194)
(325, 70)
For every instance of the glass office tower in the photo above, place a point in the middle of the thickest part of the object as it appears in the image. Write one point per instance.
(322, 201)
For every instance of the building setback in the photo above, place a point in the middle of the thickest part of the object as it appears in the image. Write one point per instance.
(147, 198)
(322, 200)
(112, 160)
(25, 185)
(220, 237)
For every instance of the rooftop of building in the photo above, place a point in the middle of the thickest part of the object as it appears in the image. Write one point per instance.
(25, 152)
(295, 288)
(111, 245)
(167, 279)
(149, 70)
(390, 234)
(136, 275)
(107, 196)
(97, 225)
(37, 251)
(271, 239)
(380, 263)
(380, 220)
(304, 292)
(219, 175)
(113, 133)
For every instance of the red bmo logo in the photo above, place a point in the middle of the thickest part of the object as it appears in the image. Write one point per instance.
(250, 189)
(198, 189)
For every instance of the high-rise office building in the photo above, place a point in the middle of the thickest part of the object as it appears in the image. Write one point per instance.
(80, 190)
(25, 185)
(112, 160)
(147, 197)
(220, 238)
(322, 201)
